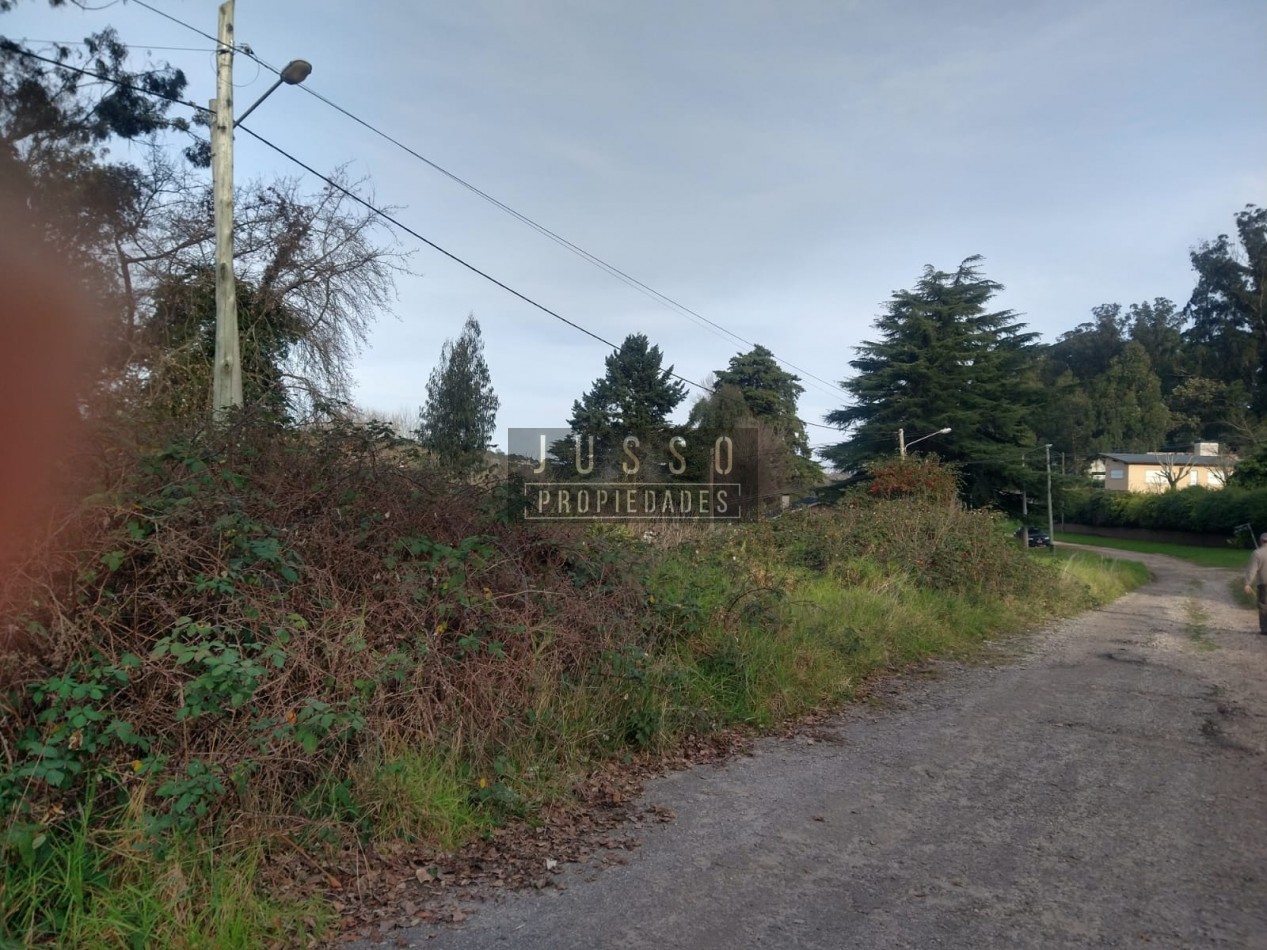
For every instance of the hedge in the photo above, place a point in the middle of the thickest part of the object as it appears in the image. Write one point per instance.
(1200, 509)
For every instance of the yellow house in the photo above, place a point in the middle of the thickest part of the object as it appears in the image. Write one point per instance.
(1160, 471)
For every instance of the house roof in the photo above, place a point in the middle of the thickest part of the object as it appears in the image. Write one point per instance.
(1166, 458)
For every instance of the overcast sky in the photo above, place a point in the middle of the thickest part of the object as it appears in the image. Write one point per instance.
(778, 167)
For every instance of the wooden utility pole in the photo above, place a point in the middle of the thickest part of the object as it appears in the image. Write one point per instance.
(226, 381)
(901, 443)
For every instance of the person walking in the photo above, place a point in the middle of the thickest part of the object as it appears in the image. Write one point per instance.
(1256, 580)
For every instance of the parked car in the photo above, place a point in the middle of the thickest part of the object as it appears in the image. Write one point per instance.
(1038, 538)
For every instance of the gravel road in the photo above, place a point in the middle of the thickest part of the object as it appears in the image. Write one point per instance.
(1101, 783)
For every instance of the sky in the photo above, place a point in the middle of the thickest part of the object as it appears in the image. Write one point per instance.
(779, 168)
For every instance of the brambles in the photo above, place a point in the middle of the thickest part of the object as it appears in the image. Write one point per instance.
(305, 636)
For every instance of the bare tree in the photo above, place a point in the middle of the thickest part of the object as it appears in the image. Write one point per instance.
(317, 269)
(1173, 469)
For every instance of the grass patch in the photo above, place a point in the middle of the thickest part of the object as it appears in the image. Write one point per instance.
(89, 882)
(419, 795)
(1197, 622)
(1104, 578)
(1232, 558)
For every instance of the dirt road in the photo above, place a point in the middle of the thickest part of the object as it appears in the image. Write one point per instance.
(1104, 783)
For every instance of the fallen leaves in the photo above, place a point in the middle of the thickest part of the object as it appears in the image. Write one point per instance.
(380, 890)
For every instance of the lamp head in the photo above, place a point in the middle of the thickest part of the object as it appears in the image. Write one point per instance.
(296, 71)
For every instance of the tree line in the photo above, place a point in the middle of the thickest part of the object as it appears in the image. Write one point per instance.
(315, 269)
(1151, 376)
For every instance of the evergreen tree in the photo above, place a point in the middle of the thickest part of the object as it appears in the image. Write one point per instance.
(769, 394)
(944, 359)
(457, 420)
(633, 397)
(1158, 328)
(1131, 415)
(1088, 348)
(1228, 307)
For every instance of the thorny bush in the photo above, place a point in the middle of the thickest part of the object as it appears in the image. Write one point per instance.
(229, 620)
(913, 526)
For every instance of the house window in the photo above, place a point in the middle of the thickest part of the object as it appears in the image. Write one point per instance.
(1117, 473)
(1216, 479)
(1194, 477)
(1155, 477)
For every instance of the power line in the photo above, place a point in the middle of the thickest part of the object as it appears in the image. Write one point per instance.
(179, 22)
(368, 205)
(449, 254)
(581, 252)
(10, 47)
(603, 265)
(147, 46)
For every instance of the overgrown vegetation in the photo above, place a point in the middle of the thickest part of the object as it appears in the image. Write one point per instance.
(270, 638)
(1198, 509)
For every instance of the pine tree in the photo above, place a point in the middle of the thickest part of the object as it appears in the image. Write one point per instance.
(634, 396)
(769, 393)
(1131, 415)
(459, 415)
(944, 359)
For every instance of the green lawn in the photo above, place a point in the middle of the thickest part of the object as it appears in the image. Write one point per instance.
(1233, 558)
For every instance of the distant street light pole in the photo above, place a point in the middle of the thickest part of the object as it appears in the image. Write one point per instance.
(903, 445)
(1024, 509)
(1051, 521)
(226, 373)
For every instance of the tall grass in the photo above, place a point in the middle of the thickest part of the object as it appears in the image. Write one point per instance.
(93, 882)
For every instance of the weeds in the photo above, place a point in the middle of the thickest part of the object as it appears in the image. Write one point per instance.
(263, 630)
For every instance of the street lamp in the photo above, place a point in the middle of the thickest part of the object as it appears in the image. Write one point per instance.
(294, 72)
(226, 372)
(902, 444)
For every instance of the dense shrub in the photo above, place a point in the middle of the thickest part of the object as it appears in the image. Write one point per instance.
(937, 544)
(242, 616)
(918, 476)
(1199, 509)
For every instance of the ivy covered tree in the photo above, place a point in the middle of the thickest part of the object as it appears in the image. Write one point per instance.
(137, 232)
(181, 332)
(944, 359)
(460, 413)
(770, 393)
